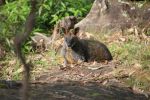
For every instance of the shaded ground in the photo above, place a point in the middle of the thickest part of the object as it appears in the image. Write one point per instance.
(74, 91)
(77, 83)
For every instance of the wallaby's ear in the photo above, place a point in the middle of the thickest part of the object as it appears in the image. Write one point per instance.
(76, 30)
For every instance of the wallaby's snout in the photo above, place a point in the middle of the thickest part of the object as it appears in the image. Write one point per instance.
(68, 41)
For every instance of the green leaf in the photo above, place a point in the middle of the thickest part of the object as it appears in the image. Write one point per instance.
(63, 5)
(46, 6)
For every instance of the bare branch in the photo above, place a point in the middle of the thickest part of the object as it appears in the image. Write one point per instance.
(19, 40)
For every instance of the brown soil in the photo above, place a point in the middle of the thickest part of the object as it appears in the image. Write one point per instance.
(89, 81)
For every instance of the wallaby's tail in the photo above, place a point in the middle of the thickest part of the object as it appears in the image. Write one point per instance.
(108, 54)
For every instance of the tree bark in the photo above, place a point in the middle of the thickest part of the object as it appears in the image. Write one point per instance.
(2, 2)
(113, 16)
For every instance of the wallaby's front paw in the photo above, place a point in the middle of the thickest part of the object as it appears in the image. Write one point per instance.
(65, 64)
(64, 67)
(80, 62)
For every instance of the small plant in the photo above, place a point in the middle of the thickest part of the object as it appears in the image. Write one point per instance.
(12, 15)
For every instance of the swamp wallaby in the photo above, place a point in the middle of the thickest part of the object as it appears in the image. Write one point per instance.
(75, 49)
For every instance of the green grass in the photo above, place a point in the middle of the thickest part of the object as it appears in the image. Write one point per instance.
(11, 68)
(129, 53)
(134, 55)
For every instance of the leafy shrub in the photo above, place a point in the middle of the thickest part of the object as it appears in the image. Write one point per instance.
(50, 11)
(13, 15)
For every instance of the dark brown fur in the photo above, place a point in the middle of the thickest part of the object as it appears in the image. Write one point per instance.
(84, 50)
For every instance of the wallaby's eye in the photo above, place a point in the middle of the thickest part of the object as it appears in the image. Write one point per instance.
(66, 39)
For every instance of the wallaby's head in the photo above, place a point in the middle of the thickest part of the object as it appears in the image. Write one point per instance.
(71, 37)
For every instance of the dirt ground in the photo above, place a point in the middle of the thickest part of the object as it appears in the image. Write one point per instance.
(89, 81)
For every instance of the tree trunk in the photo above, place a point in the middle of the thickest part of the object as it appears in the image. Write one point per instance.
(2, 2)
(113, 16)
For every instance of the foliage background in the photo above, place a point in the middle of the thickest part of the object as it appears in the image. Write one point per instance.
(13, 15)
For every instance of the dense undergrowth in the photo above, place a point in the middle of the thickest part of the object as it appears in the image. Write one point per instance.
(13, 15)
(133, 55)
